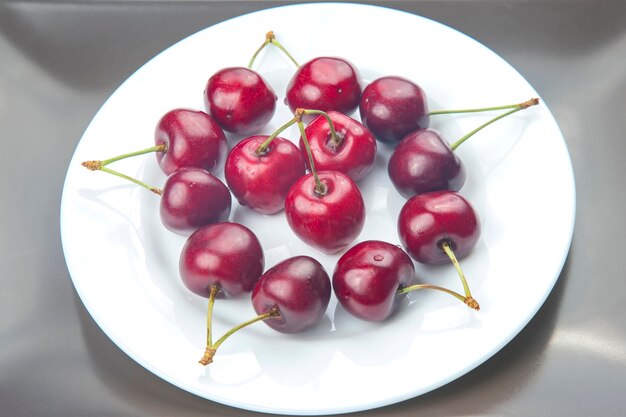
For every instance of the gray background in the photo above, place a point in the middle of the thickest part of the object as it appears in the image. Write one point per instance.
(60, 60)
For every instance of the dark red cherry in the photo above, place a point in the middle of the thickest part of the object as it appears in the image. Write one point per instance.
(193, 197)
(368, 276)
(325, 83)
(391, 107)
(428, 221)
(299, 288)
(192, 139)
(261, 180)
(240, 100)
(225, 255)
(353, 155)
(329, 220)
(423, 161)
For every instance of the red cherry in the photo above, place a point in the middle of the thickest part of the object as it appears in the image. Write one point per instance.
(329, 220)
(325, 83)
(192, 139)
(227, 256)
(368, 276)
(240, 100)
(261, 181)
(423, 161)
(428, 221)
(391, 107)
(353, 155)
(193, 197)
(298, 288)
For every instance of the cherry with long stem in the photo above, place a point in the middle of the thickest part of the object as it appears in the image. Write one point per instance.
(424, 161)
(101, 165)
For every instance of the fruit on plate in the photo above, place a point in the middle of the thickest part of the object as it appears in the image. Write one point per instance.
(298, 288)
(190, 197)
(191, 139)
(439, 227)
(392, 107)
(368, 277)
(424, 161)
(324, 209)
(261, 169)
(325, 83)
(222, 260)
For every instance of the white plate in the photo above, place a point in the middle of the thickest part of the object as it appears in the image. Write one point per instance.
(124, 263)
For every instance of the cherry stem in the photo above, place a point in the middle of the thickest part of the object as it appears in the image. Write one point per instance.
(210, 350)
(320, 189)
(263, 147)
(98, 166)
(335, 140)
(471, 303)
(531, 102)
(519, 107)
(445, 246)
(271, 38)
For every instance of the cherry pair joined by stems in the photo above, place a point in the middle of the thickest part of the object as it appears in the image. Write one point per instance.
(190, 197)
(226, 260)
(424, 161)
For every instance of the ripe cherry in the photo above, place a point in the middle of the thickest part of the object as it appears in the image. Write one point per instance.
(391, 107)
(368, 277)
(191, 139)
(325, 209)
(259, 175)
(240, 100)
(439, 227)
(220, 260)
(190, 198)
(290, 297)
(227, 256)
(325, 83)
(423, 161)
(298, 289)
(339, 143)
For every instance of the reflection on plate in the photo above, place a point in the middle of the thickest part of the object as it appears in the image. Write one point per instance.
(124, 263)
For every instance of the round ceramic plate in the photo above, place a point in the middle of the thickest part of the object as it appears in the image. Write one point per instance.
(124, 263)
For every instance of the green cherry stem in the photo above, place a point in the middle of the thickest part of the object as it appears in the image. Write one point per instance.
(211, 348)
(262, 149)
(335, 139)
(445, 246)
(528, 103)
(101, 165)
(467, 300)
(484, 125)
(320, 189)
(271, 38)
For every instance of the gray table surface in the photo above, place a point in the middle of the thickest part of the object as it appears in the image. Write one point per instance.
(60, 60)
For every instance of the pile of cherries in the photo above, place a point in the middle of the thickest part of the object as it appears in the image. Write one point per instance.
(316, 184)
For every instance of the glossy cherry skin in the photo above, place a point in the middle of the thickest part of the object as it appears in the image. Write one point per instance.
(193, 139)
(299, 288)
(226, 255)
(428, 220)
(355, 154)
(261, 182)
(240, 100)
(391, 107)
(325, 83)
(423, 161)
(368, 276)
(193, 197)
(328, 222)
